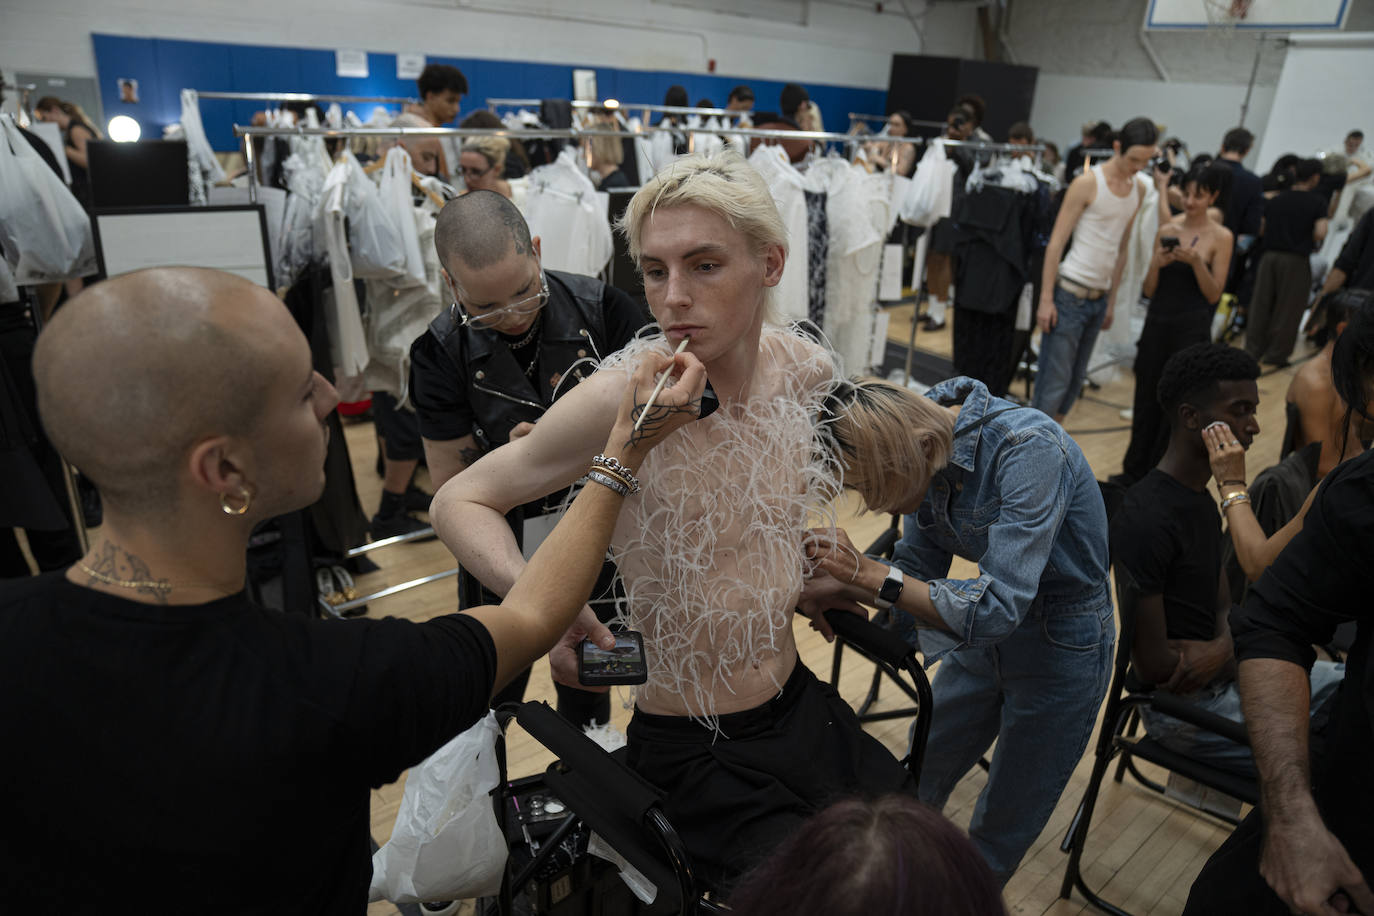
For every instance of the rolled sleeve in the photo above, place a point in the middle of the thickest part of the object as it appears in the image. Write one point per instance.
(1034, 496)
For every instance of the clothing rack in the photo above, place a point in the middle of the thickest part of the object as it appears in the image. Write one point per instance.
(614, 104)
(564, 133)
(856, 118)
(302, 97)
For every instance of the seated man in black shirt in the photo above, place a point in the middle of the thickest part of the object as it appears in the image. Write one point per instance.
(171, 741)
(1309, 846)
(515, 339)
(1167, 536)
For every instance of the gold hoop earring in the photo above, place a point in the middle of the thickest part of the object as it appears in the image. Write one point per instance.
(244, 494)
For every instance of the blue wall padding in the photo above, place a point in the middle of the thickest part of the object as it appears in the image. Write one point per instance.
(163, 67)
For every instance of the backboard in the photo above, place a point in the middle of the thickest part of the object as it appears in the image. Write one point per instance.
(1250, 15)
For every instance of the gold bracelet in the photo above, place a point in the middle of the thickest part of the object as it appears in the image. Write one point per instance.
(1232, 500)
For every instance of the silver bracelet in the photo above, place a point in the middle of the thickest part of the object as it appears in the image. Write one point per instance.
(608, 481)
(618, 470)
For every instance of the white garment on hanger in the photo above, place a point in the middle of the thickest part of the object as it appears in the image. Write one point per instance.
(570, 216)
(1115, 346)
(348, 340)
(791, 296)
(197, 144)
(395, 187)
(399, 310)
(643, 162)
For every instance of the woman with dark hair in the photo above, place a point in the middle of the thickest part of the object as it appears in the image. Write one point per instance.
(1186, 278)
(77, 130)
(882, 155)
(892, 856)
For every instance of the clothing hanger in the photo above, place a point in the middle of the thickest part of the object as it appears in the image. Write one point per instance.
(435, 198)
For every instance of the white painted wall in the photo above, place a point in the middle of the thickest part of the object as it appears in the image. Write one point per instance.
(1323, 94)
(1198, 113)
(844, 42)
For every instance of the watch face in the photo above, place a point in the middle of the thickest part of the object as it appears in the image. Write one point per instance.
(891, 590)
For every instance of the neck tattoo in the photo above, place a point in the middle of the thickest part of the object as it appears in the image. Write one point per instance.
(114, 566)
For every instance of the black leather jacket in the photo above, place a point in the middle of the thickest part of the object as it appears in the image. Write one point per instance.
(584, 321)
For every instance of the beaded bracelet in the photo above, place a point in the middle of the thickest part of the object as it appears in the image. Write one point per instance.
(626, 475)
(1234, 498)
(608, 481)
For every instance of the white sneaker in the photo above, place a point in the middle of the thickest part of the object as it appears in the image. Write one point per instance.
(1128, 414)
(440, 908)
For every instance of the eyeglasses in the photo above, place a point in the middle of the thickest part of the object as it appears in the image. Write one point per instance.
(526, 306)
(470, 172)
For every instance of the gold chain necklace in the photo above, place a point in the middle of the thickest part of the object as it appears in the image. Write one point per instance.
(161, 586)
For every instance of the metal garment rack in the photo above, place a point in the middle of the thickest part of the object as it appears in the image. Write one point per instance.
(617, 105)
(566, 133)
(857, 118)
(978, 146)
(301, 97)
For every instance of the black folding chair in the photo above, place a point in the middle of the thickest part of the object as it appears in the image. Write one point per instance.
(891, 656)
(1125, 697)
(613, 801)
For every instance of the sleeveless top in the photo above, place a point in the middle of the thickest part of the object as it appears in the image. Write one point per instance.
(1097, 237)
(1177, 293)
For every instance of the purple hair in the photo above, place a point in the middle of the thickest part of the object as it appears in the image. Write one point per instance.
(859, 857)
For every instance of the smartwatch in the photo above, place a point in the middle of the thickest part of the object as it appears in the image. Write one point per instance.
(891, 589)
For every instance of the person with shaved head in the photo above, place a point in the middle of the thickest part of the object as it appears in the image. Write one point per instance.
(170, 740)
(514, 339)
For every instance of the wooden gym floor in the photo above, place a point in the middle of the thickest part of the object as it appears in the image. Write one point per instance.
(1143, 852)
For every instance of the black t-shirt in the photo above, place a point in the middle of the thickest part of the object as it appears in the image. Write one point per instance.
(1289, 219)
(1246, 204)
(1168, 536)
(1322, 579)
(213, 757)
(1357, 256)
(439, 387)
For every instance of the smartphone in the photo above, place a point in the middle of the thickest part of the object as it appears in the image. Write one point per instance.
(624, 664)
(1168, 242)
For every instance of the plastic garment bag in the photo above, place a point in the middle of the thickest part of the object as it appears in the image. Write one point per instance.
(570, 216)
(446, 844)
(394, 189)
(931, 191)
(343, 316)
(375, 242)
(45, 234)
(197, 144)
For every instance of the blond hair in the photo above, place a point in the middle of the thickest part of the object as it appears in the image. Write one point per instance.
(722, 183)
(606, 149)
(492, 148)
(891, 441)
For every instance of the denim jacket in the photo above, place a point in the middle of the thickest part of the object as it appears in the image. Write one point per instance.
(1018, 498)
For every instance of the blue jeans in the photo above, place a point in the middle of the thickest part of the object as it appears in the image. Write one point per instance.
(1065, 350)
(1037, 692)
(1224, 700)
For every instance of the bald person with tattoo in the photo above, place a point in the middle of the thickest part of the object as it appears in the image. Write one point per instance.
(169, 740)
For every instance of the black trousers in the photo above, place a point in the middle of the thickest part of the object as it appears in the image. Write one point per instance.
(1161, 338)
(735, 794)
(983, 347)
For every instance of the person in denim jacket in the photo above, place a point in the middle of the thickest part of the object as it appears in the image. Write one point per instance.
(1027, 645)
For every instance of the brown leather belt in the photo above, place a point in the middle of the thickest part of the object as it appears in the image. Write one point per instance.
(1079, 290)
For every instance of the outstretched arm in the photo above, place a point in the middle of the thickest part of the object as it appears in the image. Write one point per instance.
(543, 601)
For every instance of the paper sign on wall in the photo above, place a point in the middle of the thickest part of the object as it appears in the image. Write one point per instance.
(409, 66)
(350, 63)
(584, 85)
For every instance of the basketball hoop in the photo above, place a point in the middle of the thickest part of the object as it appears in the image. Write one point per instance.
(1226, 14)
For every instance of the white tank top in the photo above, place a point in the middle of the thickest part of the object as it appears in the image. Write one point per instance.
(1097, 237)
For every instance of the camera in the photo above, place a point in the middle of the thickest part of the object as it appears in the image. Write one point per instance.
(1161, 163)
(1168, 242)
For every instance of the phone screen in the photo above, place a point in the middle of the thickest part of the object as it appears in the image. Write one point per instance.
(623, 664)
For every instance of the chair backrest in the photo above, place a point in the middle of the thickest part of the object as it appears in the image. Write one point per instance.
(1127, 609)
(617, 803)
